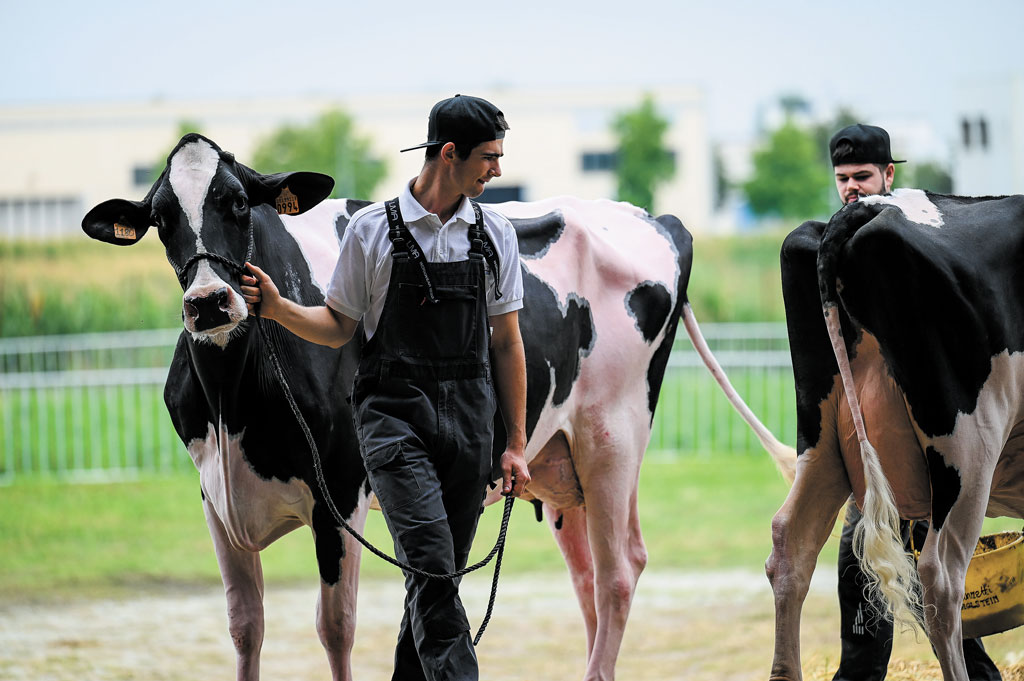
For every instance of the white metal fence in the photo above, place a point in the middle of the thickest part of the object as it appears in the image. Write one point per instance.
(91, 406)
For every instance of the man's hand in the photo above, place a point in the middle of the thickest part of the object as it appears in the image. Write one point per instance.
(261, 290)
(514, 473)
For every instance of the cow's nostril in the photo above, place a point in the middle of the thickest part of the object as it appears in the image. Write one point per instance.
(220, 296)
(191, 311)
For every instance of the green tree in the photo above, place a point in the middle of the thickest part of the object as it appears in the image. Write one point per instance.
(642, 162)
(788, 179)
(928, 175)
(329, 145)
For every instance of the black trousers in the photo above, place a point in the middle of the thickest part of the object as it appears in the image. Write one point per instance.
(427, 449)
(867, 640)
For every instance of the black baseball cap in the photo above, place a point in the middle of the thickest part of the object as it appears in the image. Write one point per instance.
(869, 142)
(464, 120)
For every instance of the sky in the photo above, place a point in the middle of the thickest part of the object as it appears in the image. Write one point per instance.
(887, 61)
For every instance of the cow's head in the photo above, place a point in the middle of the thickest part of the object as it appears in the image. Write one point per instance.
(204, 207)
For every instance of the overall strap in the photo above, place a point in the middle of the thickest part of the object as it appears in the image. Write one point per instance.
(480, 244)
(405, 247)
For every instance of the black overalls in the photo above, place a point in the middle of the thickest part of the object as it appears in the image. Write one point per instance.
(424, 412)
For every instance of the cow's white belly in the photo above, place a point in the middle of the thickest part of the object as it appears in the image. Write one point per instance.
(993, 429)
(253, 511)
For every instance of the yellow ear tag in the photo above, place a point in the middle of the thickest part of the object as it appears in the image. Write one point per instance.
(287, 203)
(126, 232)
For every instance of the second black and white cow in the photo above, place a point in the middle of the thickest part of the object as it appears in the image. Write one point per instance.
(910, 393)
(605, 289)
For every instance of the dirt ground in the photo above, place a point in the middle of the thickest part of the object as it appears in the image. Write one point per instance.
(688, 626)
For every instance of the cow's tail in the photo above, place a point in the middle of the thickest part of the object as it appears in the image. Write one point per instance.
(784, 456)
(893, 584)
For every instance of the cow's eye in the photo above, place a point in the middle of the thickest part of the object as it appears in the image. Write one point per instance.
(156, 220)
(241, 205)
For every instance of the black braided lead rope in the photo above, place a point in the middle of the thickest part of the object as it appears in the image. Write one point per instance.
(499, 546)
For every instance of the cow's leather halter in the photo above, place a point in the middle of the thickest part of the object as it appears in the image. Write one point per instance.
(238, 268)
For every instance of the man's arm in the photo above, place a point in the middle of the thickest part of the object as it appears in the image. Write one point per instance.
(321, 325)
(510, 380)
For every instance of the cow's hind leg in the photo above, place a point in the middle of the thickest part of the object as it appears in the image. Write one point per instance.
(569, 527)
(336, 608)
(799, 530)
(242, 574)
(608, 471)
(943, 565)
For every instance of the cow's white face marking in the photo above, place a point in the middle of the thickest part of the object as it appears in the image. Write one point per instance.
(914, 203)
(192, 171)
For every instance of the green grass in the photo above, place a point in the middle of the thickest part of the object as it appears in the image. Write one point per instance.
(60, 538)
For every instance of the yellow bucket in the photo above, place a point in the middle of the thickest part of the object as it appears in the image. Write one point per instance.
(994, 587)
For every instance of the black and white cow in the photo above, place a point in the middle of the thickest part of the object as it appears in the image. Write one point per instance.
(605, 288)
(910, 393)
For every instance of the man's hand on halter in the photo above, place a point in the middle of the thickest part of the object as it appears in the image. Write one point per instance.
(261, 290)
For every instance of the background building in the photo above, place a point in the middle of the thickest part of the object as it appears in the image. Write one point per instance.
(57, 161)
(989, 148)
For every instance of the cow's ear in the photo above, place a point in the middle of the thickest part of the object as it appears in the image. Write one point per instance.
(117, 221)
(292, 193)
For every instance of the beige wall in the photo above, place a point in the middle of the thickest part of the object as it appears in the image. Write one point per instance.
(86, 152)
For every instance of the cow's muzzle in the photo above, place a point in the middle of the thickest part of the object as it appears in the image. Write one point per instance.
(208, 311)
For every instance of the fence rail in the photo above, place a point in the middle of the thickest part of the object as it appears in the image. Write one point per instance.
(90, 407)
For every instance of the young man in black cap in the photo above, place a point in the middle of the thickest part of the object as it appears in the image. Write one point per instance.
(864, 166)
(435, 278)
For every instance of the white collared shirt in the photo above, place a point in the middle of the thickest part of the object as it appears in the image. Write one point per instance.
(361, 277)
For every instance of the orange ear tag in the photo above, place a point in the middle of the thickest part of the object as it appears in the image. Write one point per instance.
(126, 232)
(287, 203)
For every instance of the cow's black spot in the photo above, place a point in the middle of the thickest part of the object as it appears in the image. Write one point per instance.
(945, 486)
(649, 304)
(537, 234)
(680, 239)
(352, 206)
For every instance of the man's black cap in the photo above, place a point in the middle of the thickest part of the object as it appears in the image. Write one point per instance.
(463, 120)
(870, 144)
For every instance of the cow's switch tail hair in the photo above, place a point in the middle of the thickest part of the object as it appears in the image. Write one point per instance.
(893, 586)
(785, 457)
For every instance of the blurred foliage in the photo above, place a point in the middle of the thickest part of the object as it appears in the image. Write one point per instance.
(83, 286)
(929, 175)
(329, 145)
(788, 179)
(79, 286)
(642, 162)
(737, 278)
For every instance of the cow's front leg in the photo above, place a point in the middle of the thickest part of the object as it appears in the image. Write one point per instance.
(242, 575)
(336, 608)
(799, 530)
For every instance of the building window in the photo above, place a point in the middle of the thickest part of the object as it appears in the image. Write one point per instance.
(595, 161)
(142, 175)
(965, 128)
(983, 133)
(501, 194)
(39, 217)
